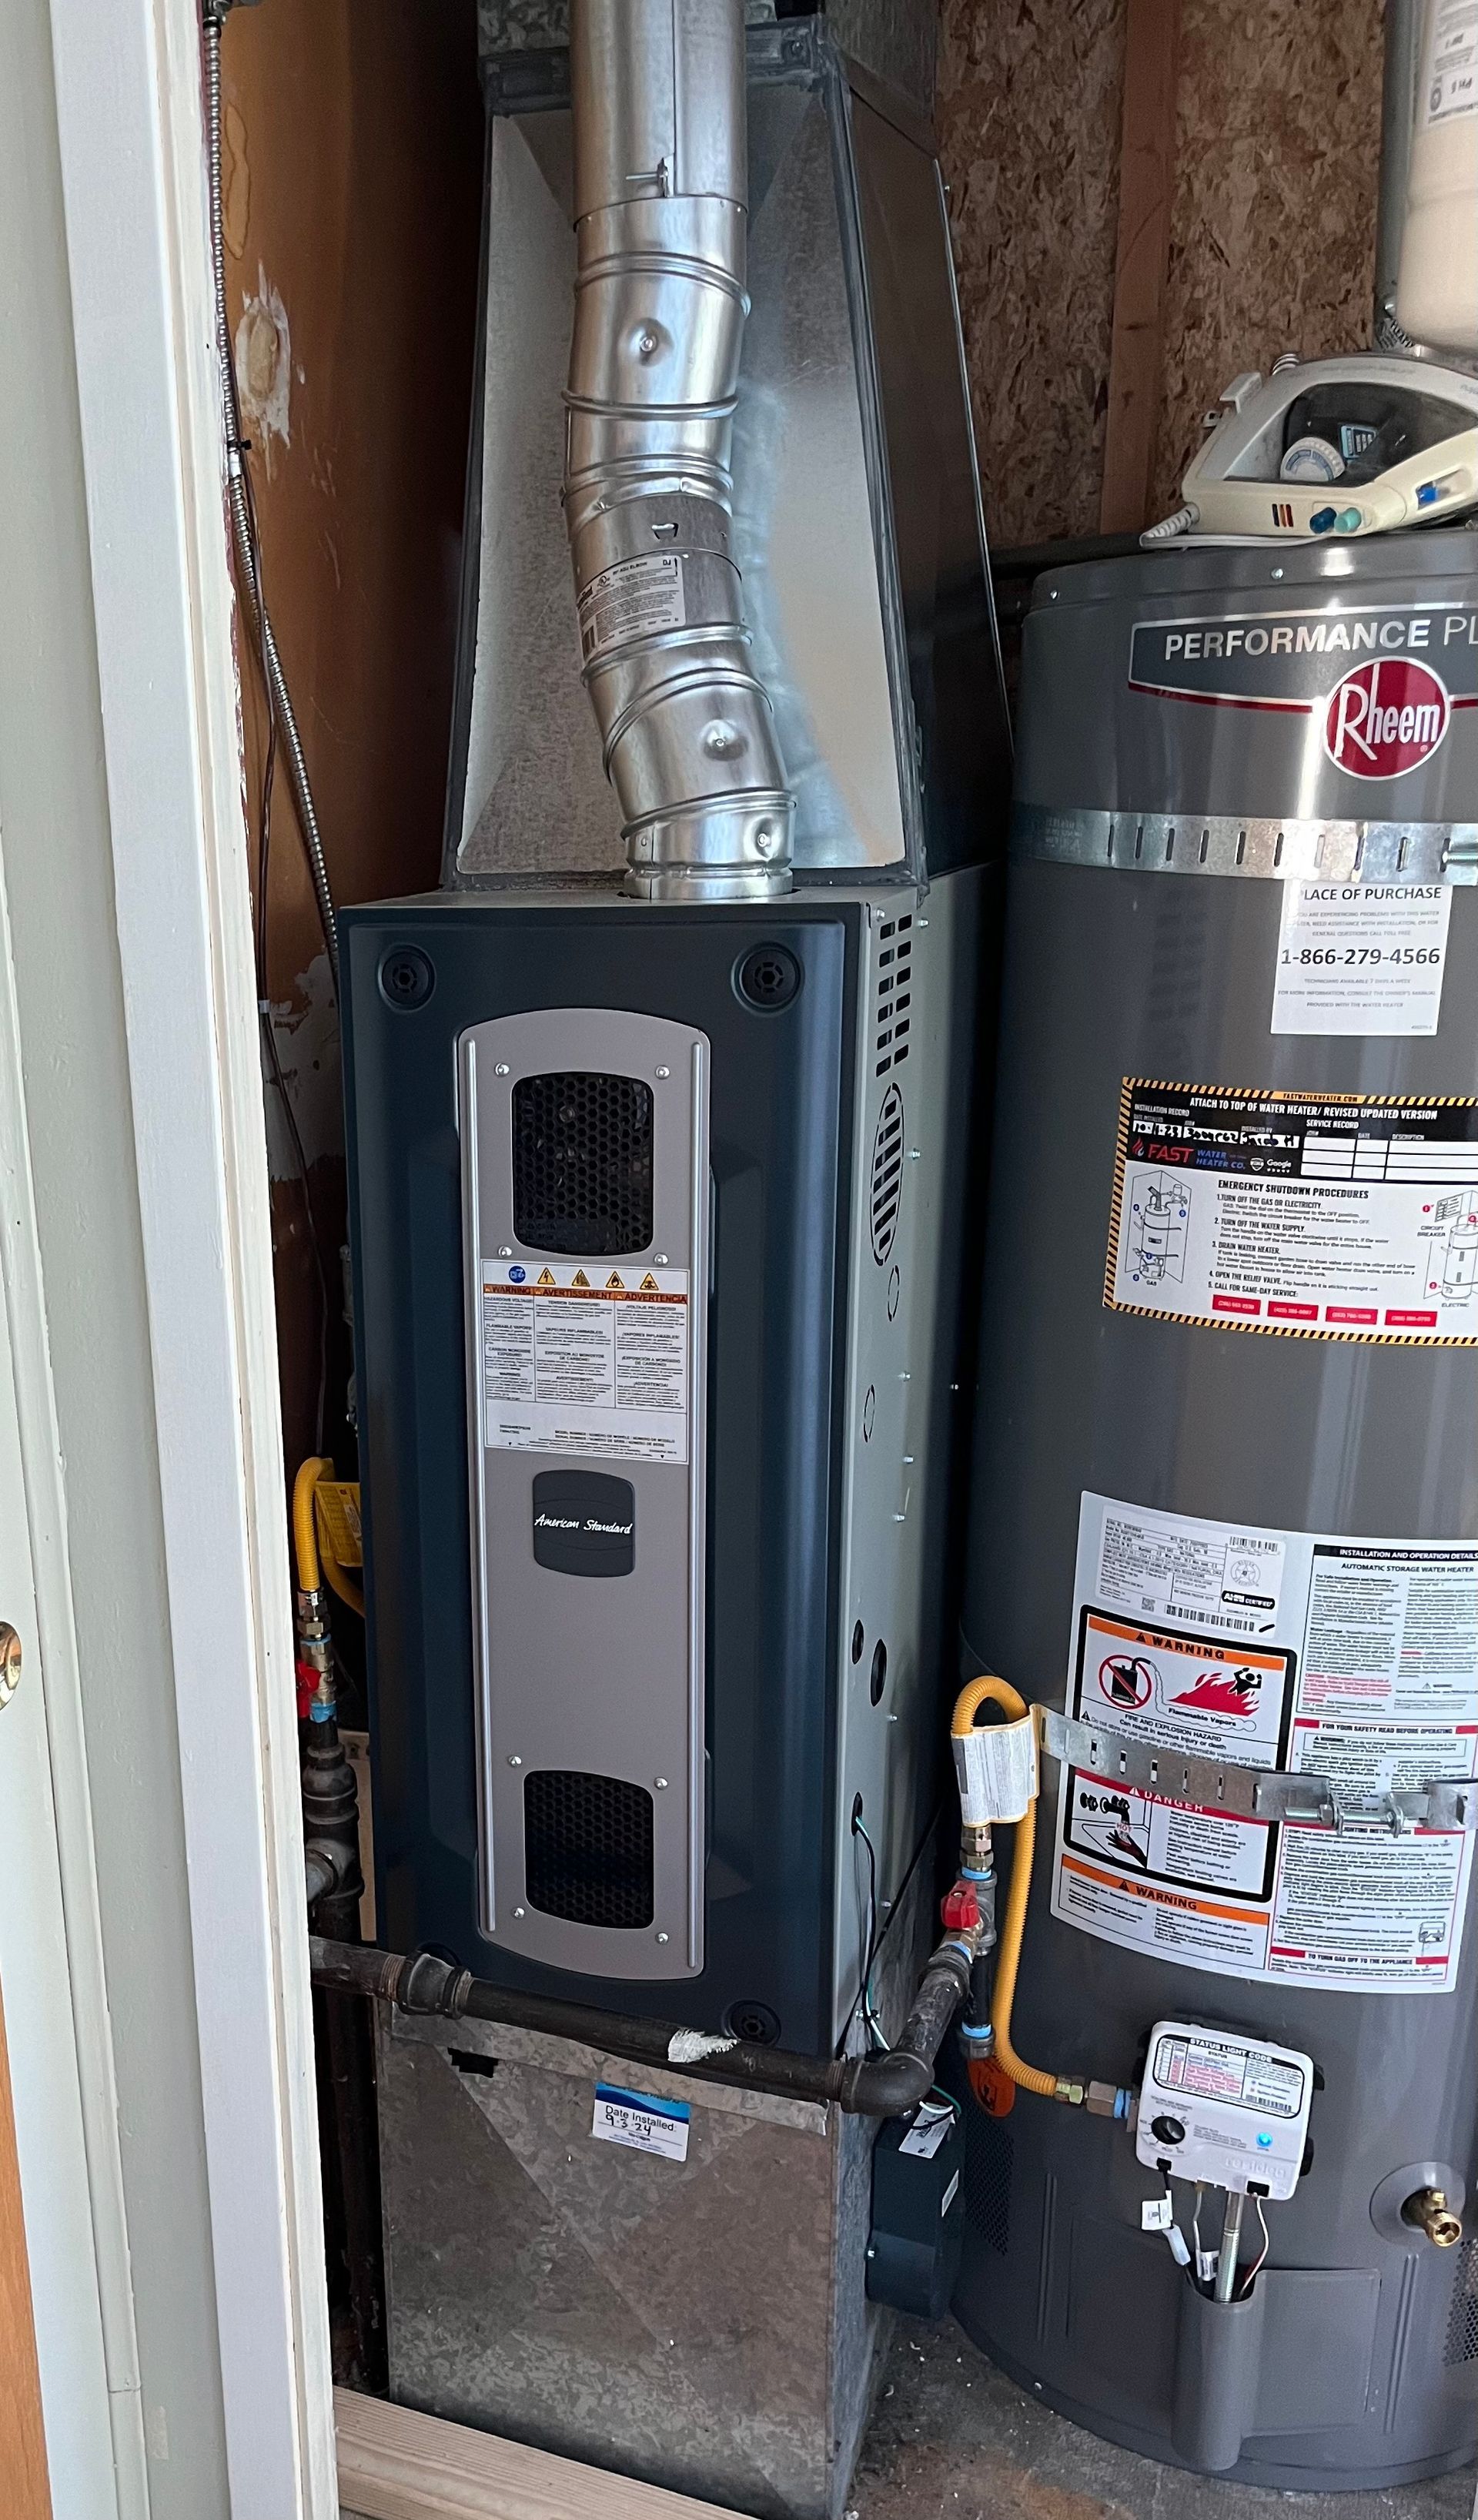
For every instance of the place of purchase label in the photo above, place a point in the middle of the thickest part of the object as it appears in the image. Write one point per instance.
(1362, 959)
(1343, 1216)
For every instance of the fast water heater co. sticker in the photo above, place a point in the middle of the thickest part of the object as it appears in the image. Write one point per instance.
(1364, 1670)
(641, 2122)
(1343, 1216)
(1361, 960)
(595, 1372)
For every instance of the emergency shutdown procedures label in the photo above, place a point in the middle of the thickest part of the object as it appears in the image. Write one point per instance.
(1346, 1216)
(591, 1363)
(1353, 1659)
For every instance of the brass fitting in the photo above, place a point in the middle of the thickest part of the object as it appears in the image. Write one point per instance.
(1428, 2211)
(1074, 2094)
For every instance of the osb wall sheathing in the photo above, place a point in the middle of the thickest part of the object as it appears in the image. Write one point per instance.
(1029, 99)
(1273, 231)
(352, 200)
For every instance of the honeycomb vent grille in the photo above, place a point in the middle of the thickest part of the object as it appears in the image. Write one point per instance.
(988, 2180)
(1462, 2317)
(887, 1184)
(895, 994)
(582, 1163)
(587, 1848)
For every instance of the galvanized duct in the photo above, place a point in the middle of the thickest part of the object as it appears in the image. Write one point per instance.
(660, 204)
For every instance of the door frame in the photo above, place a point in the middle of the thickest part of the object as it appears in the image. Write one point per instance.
(129, 130)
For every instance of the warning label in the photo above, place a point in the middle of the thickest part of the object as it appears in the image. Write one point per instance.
(1304, 1216)
(585, 1361)
(1365, 1671)
(630, 598)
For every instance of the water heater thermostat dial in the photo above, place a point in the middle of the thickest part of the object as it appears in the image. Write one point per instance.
(1229, 2110)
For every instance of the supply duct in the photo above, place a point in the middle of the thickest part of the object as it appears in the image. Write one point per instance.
(857, 662)
(661, 184)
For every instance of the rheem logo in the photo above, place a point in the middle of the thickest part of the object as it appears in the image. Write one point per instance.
(1386, 718)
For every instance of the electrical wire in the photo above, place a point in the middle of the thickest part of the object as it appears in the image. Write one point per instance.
(865, 1997)
(281, 723)
(243, 514)
(1256, 2267)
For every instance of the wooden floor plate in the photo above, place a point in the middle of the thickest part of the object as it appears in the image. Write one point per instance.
(394, 2465)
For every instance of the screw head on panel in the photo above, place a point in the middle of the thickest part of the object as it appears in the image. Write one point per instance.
(662, 1072)
(661, 1938)
(502, 1069)
(661, 1259)
(505, 1251)
(516, 1763)
(660, 1784)
(517, 1912)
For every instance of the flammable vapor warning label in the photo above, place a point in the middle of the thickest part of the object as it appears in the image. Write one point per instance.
(1301, 1215)
(1351, 1659)
(589, 1361)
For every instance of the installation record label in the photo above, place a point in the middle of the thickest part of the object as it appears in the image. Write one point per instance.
(1344, 1216)
(1351, 1659)
(589, 1361)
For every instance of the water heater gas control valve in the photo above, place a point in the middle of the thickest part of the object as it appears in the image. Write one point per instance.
(1229, 2110)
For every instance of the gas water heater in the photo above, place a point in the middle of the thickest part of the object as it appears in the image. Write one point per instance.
(1225, 1521)
(659, 1110)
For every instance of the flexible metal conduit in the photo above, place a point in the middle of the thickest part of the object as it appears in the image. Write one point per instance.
(279, 698)
(884, 2085)
(661, 184)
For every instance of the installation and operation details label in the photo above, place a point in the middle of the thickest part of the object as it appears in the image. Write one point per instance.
(630, 599)
(1352, 1659)
(1341, 1216)
(590, 1361)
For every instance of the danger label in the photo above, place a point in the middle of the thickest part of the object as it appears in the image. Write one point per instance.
(1364, 1672)
(590, 1362)
(1341, 1216)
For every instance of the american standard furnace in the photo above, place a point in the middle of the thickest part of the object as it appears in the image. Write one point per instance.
(660, 1109)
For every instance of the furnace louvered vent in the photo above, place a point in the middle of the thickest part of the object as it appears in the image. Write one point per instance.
(587, 1848)
(895, 964)
(582, 1163)
(987, 2178)
(1462, 2317)
(887, 1185)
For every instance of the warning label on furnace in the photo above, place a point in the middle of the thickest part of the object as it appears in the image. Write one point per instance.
(630, 598)
(582, 1361)
(1354, 1660)
(1304, 1216)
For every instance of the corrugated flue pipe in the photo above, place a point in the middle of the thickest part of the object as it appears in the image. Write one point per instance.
(660, 208)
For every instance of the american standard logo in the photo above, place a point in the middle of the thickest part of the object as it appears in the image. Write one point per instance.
(1383, 681)
(582, 1522)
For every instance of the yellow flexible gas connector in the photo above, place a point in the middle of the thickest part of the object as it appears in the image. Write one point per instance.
(316, 1559)
(988, 1690)
(304, 1524)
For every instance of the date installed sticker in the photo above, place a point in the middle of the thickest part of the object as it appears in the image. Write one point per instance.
(1343, 1216)
(1361, 959)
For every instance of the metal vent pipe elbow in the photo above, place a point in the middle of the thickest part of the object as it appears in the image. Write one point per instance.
(661, 206)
